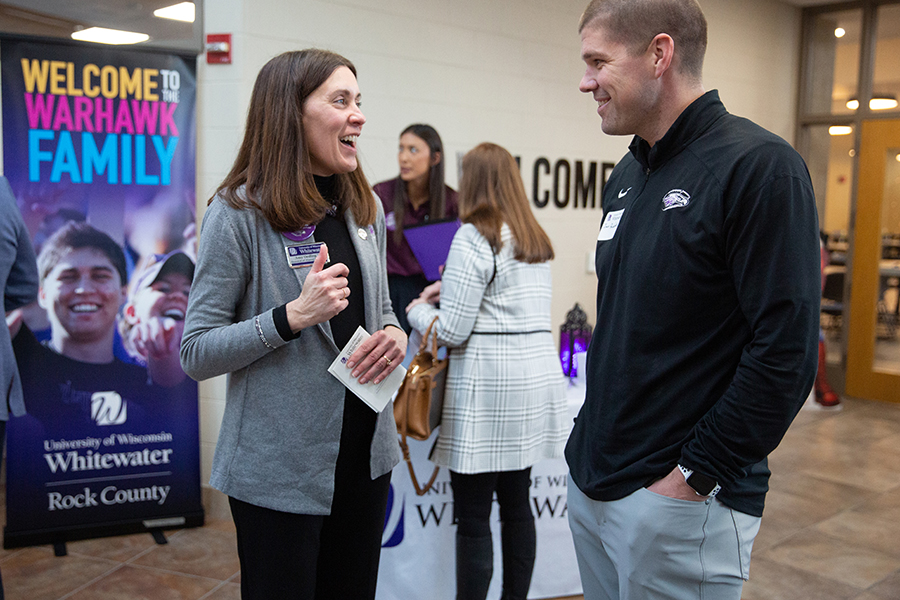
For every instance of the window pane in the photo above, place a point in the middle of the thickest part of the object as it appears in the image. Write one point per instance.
(830, 162)
(887, 346)
(886, 85)
(833, 61)
(830, 159)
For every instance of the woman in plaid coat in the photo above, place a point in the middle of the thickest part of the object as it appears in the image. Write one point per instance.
(504, 405)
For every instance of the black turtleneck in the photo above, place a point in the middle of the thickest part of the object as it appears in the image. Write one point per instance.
(333, 231)
(358, 424)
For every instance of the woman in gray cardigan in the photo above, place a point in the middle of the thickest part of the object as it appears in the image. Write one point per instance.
(291, 261)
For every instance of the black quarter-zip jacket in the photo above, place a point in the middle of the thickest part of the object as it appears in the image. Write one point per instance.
(708, 292)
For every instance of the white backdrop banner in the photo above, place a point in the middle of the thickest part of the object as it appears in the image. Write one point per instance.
(418, 557)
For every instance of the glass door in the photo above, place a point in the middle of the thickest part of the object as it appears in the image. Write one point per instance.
(873, 342)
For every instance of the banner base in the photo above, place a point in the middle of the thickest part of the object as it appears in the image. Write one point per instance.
(21, 539)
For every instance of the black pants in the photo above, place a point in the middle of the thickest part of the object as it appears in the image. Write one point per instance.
(288, 556)
(404, 289)
(472, 503)
(473, 499)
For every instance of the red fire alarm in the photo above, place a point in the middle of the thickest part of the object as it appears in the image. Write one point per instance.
(218, 48)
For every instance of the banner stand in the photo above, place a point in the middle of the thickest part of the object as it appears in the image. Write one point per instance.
(59, 536)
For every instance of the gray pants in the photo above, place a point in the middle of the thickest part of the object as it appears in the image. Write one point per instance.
(651, 547)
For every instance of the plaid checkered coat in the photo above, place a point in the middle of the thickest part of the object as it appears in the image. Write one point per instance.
(504, 405)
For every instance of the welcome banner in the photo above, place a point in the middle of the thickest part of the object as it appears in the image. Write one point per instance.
(99, 149)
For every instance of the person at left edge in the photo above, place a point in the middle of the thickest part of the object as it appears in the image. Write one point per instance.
(19, 275)
(305, 463)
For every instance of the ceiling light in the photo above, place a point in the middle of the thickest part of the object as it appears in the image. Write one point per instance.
(177, 12)
(897, 157)
(840, 130)
(839, 32)
(878, 102)
(883, 103)
(101, 35)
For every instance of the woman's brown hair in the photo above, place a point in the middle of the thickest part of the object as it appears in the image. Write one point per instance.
(491, 193)
(273, 163)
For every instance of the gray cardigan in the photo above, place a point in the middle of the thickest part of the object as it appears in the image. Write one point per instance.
(19, 276)
(278, 444)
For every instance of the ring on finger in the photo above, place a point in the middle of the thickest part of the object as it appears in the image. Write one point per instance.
(387, 360)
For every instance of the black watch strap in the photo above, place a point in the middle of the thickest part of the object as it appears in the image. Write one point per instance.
(703, 485)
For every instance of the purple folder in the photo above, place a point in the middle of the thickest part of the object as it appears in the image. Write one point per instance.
(430, 243)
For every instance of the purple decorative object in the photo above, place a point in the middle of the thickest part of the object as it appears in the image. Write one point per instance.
(574, 337)
(301, 234)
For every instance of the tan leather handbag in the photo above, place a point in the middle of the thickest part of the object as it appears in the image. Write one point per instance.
(420, 399)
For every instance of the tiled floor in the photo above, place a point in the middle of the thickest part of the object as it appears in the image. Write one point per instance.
(831, 530)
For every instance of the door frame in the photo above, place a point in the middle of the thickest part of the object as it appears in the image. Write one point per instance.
(862, 381)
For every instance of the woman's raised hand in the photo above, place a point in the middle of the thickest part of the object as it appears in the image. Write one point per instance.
(324, 294)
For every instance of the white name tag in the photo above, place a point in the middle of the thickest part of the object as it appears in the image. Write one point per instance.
(610, 224)
(303, 255)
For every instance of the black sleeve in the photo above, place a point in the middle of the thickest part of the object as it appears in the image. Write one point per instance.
(279, 315)
(773, 253)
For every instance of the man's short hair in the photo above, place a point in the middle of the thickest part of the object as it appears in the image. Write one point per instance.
(74, 236)
(635, 23)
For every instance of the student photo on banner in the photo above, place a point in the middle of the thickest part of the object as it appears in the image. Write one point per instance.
(92, 414)
(152, 322)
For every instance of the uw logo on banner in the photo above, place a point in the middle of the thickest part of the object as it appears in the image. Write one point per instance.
(108, 408)
(393, 521)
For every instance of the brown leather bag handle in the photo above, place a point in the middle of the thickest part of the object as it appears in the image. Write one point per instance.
(434, 344)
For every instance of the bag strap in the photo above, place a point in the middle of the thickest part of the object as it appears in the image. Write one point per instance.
(494, 256)
(420, 491)
(404, 447)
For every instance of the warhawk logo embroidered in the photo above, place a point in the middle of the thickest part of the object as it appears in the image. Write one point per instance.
(623, 192)
(675, 199)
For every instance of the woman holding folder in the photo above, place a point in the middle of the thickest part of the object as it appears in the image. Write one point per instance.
(290, 264)
(504, 403)
(417, 195)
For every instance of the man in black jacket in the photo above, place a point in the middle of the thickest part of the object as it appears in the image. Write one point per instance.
(707, 312)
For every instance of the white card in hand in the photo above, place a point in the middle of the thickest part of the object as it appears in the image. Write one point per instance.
(375, 395)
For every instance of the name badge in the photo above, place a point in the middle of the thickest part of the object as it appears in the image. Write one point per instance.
(610, 224)
(303, 255)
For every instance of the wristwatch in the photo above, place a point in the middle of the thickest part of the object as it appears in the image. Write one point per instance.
(700, 483)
